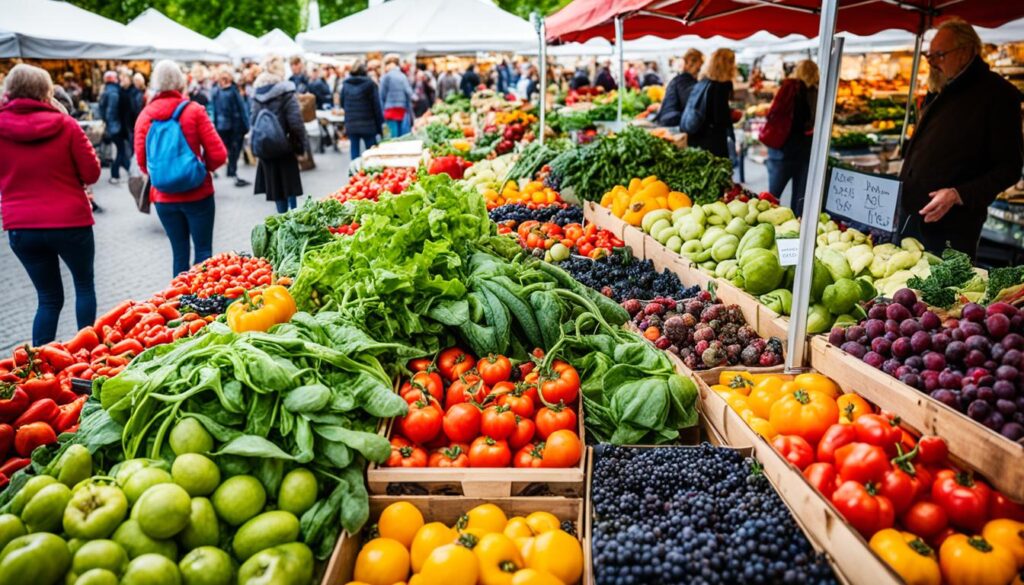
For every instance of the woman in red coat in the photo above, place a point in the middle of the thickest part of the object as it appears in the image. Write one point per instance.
(45, 163)
(187, 214)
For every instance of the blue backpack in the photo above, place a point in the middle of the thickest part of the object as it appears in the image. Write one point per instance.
(696, 111)
(269, 140)
(172, 165)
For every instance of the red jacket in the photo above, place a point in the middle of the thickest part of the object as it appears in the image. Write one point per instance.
(45, 163)
(199, 133)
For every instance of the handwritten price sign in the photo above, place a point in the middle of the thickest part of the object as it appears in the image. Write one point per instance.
(872, 200)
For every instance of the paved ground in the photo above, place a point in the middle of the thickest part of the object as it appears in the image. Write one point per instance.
(133, 255)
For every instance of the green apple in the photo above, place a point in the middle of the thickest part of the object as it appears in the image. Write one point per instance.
(95, 511)
(239, 498)
(151, 569)
(207, 565)
(203, 527)
(298, 491)
(189, 436)
(100, 554)
(136, 543)
(198, 474)
(163, 510)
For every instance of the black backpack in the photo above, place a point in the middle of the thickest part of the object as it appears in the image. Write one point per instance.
(268, 136)
(696, 111)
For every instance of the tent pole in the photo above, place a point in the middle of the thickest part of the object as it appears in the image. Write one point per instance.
(829, 63)
(542, 27)
(915, 65)
(622, 69)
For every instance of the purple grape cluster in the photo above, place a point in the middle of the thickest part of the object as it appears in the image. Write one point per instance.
(971, 364)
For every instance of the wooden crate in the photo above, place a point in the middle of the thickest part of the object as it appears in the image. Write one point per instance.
(448, 509)
(770, 323)
(971, 444)
(478, 482)
(853, 561)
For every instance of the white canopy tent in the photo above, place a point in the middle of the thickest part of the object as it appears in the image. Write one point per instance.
(174, 40)
(9, 44)
(424, 26)
(277, 42)
(239, 44)
(45, 29)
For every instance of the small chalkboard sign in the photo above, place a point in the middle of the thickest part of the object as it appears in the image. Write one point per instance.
(870, 200)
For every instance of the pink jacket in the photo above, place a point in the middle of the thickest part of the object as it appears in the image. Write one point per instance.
(199, 133)
(45, 163)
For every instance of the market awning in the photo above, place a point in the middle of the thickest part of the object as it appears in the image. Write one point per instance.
(45, 29)
(586, 19)
(239, 44)
(9, 45)
(174, 40)
(277, 42)
(425, 26)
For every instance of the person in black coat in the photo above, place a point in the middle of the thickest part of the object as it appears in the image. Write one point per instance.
(364, 119)
(604, 77)
(967, 146)
(113, 115)
(715, 130)
(651, 76)
(579, 79)
(678, 90)
(231, 118)
(470, 81)
(279, 177)
(320, 90)
(130, 104)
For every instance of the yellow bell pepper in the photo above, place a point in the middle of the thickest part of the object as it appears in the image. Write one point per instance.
(1008, 534)
(677, 200)
(972, 560)
(907, 555)
(261, 311)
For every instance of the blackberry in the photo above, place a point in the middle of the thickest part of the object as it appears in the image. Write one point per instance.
(213, 305)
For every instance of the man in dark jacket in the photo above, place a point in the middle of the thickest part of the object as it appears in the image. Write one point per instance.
(112, 114)
(364, 118)
(580, 79)
(604, 77)
(319, 88)
(678, 90)
(130, 103)
(231, 117)
(470, 81)
(967, 147)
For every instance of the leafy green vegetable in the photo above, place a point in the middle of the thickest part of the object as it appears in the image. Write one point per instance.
(282, 239)
(942, 287)
(1000, 279)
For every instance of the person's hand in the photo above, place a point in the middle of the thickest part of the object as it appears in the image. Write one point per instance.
(942, 201)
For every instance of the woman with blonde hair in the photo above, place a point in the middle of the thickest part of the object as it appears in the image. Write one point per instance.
(707, 119)
(787, 133)
(46, 161)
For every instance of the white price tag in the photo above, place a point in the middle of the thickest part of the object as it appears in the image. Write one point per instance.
(789, 251)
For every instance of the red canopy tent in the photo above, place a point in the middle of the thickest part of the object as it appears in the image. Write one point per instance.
(585, 19)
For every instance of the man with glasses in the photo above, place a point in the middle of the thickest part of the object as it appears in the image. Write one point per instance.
(967, 148)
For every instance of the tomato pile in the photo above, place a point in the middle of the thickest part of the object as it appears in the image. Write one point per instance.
(344, 230)
(589, 241)
(532, 194)
(483, 546)
(226, 274)
(487, 412)
(369, 184)
(881, 477)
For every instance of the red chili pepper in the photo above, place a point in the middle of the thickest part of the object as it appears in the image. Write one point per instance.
(128, 345)
(6, 440)
(74, 370)
(44, 410)
(69, 413)
(88, 374)
(66, 395)
(13, 401)
(57, 357)
(14, 464)
(145, 324)
(30, 436)
(87, 339)
(129, 319)
(169, 311)
(108, 319)
(159, 338)
(45, 386)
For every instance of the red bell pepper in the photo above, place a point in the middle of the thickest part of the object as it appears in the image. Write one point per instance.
(30, 436)
(863, 507)
(964, 498)
(875, 429)
(58, 357)
(822, 476)
(12, 465)
(6, 440)
(13, 402)
(900, 487)
(835, 437)
(66, 396)
(44, 410)
(861, 462)
(794, 449)
(999, 506)
(85, 339)
(68, 415)
(45, 386)
(932, 450)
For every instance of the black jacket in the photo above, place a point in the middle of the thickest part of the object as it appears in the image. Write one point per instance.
(322, 91)
(604, 79)
(714, 134)
(110, 110)
(968, 138)
(676, 94)
(579, 79)
(470, 81)
(360, 99)
(230, 111)
(280, 99)
(131, 103)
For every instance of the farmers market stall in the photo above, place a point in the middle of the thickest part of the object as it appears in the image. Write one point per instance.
(176, 41)
(45, 29)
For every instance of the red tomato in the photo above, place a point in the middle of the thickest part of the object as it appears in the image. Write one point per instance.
(422, 423)
(964, 499)
(925, 519)
(404, 454)
(555, 418)
(932, 450)
(431, 382)
(1001, 507)
(494, 369)
(875, 429)
(520, 404)
(835, 437)
(794, 449)
(863, 508)
(822, 476)
(561, 449)
(497, 422)
(562, 386)
(466, 389)
(462, 422)
(454, 362)
(529, 455)
(420, 364)
(453, 456)
(900, 487)
(523, 433)
(861, 462)
(489, 452)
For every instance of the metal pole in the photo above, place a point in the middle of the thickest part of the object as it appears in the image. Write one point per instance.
(913, 86)
(818, 168)
(622, 69)
(543, 78)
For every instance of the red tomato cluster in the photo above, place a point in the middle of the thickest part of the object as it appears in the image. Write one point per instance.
(487, 412)
(370, 185)
(587, 241)
(226, 274)
(344, 230)
(879, 476)
(454, 166)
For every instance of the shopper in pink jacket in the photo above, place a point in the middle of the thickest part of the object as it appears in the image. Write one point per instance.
(46, 161)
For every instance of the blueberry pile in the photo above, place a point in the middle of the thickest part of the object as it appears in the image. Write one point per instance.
(693, 515)
(553, 213)
(214, 305)
(622, 278)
